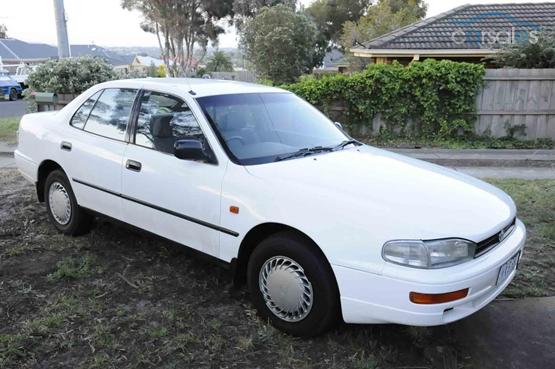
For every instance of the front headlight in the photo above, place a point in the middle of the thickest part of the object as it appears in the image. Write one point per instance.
(429, 254)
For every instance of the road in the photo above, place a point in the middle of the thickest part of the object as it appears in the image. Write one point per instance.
(12, 108)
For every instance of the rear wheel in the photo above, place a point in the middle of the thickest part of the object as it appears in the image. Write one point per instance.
(292, 286)
(63, 211)
(13, 94)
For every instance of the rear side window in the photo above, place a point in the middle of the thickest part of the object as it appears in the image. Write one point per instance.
(81, 115)
(110, 114)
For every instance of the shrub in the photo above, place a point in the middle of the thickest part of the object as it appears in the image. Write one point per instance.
(70, 76)
(540, 54)
(437, 97)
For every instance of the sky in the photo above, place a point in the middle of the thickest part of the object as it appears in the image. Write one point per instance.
(105, 23)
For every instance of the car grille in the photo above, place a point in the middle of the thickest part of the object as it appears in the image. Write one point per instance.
(490, 242)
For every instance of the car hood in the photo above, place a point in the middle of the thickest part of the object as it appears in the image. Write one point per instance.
(408, 198)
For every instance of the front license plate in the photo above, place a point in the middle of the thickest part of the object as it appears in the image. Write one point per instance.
(507, 268)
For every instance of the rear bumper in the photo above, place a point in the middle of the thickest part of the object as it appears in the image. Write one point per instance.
(27, 167)
(373, 298)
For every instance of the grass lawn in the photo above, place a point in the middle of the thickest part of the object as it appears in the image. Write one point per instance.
(116, 298)
(8, 129)
(535, 201)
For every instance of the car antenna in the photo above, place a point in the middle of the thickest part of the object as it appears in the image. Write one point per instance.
(190, 88)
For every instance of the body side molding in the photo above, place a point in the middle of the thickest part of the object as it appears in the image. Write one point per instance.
(164, 210)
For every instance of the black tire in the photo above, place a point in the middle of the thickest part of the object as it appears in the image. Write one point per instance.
(13, 94)
(325, 310)
(80, 220)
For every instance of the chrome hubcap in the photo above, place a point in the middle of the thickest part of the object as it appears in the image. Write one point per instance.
(286, 288)
(60, 205)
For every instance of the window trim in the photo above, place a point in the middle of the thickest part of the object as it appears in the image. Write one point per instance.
(134, 123)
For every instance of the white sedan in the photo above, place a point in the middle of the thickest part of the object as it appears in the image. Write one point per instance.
(320, 226)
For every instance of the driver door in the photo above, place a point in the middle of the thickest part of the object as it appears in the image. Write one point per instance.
(176, 199)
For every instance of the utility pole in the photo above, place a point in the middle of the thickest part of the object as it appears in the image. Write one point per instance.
(61, 29)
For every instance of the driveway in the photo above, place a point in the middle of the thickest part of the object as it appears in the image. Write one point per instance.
(510, 334)
(12, 108)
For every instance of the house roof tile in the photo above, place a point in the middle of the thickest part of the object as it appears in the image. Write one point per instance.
(470, 27)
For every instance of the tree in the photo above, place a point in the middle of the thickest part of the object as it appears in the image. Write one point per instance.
(3, 31)
(280, 43)
(244, 9)
(219, 62)
(330, 15)
(538, 52)
(179, 25)
(418, 8)
(383, 17)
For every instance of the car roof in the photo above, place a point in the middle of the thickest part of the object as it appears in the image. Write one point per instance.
(198, 87)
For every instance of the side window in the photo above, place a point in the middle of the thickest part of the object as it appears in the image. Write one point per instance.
(111, 112)
(164, 119)
(81, 115)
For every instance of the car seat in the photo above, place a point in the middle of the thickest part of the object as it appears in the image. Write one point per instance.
(162, 133)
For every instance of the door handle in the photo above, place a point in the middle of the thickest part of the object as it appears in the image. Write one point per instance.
(133, 165)
(65, 146)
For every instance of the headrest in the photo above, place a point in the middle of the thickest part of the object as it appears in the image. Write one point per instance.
(160, 125)
(234, 121)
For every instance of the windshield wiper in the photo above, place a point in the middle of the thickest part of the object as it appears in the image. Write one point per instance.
(345, 143)
(305, 151)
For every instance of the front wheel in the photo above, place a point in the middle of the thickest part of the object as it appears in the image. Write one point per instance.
(62, 207)
(292, 285)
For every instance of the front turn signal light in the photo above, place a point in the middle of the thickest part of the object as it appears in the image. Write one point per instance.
(437, 298)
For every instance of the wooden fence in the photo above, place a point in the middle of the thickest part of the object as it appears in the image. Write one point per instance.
(241, 75)
(513, 102)
(519, 102)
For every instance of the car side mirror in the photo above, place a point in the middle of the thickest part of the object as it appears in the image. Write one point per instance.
(190, 149)
(338, 125)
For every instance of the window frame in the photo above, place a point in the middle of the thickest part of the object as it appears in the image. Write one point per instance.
(129, 119)
(132, 127)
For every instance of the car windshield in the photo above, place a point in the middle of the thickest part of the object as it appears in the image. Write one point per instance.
(258, 128)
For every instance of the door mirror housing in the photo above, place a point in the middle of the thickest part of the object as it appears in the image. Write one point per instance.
(190, 149)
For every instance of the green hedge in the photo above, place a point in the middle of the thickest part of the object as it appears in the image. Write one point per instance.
(438, 97)
(70, 76)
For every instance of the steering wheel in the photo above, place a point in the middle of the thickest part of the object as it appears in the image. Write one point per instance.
(239, 138)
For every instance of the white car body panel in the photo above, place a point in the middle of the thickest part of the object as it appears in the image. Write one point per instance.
(182, 186)
(348, 202)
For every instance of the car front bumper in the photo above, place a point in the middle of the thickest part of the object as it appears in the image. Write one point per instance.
(372, 298)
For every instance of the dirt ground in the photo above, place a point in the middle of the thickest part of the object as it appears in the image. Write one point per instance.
(119, 298)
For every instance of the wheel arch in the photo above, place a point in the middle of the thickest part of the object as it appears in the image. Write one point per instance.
(45, 168)
(256, 235)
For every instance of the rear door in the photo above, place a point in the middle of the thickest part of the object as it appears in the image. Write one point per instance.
(177, 199)
(93, 153)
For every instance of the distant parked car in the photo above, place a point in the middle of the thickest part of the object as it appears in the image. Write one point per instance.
(22, 73)
(319, 225)
(10, 89)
